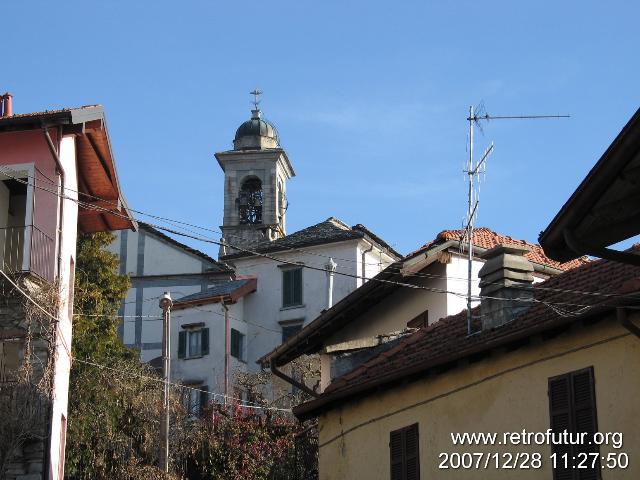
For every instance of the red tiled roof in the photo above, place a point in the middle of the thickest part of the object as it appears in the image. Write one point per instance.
(486, 238)
(556, 301)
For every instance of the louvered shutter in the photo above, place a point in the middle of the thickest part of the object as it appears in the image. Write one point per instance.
(297, 286)
(584, 407)
(182, 344)
(412, 453)
(572, 407)
(205, 341)
(560, 413)
(396, 449)
(287, 288)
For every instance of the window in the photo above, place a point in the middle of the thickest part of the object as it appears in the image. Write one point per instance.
(292, 287)
(9, 361)
(193, 343)
(420, 321)
(250, 201)
(405, 453)
(290, 330)
(196, 399)
(572, 407)
(237, 344)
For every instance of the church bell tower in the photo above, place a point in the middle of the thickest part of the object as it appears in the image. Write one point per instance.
(255, 178)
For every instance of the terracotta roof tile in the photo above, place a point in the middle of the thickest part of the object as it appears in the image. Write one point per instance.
(486, 238)
(559, 298)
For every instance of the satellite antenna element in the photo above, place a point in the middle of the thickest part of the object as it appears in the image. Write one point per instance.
(256, 97)
(474, 170)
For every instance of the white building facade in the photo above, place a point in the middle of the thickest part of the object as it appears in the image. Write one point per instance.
(296, 276)
(156, 263)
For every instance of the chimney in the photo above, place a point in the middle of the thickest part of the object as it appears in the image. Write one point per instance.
(7, 110)
(502, 277)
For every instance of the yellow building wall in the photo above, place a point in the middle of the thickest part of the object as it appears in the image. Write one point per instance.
(504, 393)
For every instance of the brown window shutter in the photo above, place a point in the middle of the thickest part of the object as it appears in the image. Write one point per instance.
(585, 418)
(405, 453)
(572, 407)
(412, 452)
(396, 448)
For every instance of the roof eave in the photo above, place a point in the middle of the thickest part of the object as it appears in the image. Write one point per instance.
(598, 180)
(325, 402)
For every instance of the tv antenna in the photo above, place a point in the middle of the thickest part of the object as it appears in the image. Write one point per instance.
(473, 171)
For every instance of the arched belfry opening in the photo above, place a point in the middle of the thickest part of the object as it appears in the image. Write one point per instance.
(250, 200)
(256, 171)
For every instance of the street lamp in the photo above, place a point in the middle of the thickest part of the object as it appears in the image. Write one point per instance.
(165, 304)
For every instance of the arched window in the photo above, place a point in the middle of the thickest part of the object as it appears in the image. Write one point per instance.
(250, 201)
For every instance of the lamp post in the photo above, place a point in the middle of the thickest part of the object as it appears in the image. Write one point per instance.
(165, 304)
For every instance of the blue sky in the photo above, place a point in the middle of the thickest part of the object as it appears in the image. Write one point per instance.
(370, 99)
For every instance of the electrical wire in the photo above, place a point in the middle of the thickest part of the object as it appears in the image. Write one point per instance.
(244, 403)
(263, 255)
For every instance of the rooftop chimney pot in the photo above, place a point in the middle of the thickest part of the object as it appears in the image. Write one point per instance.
(504, 277)
(7, 110)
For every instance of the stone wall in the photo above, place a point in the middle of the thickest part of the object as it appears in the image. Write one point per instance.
(24, 396)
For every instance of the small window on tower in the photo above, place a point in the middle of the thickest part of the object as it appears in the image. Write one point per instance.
(250, 201)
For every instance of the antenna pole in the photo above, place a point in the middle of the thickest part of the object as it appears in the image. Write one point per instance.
(470, 172)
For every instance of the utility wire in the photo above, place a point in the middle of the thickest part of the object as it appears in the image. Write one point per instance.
(57, 323)
(265, 255)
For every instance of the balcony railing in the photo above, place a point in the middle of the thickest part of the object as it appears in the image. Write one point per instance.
(27, 249)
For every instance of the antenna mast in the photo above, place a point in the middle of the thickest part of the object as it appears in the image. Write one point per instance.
(473, 198)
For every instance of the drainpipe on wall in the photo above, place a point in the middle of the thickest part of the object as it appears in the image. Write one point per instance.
(227, 350)
(330, 267)
(364, 263)
(54, 154)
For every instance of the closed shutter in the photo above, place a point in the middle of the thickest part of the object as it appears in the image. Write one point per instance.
(205, 341)
(572, 408)
(585, 418)
(396, 448)
(292, 287)
(297, 286)
(182, 344)
(560, 413)
(405, 453)
(412, 456)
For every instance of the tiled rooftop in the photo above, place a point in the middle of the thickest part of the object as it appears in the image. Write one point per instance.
(329, 231)
(556, 299)
(486, 238)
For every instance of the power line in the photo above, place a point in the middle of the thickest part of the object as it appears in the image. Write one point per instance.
(245, 403)
(165, 219)
(268, 256)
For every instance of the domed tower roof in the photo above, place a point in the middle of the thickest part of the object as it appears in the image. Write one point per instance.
(256, 134)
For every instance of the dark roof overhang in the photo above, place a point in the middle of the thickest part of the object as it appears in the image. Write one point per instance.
(605, 208)
(104, 207)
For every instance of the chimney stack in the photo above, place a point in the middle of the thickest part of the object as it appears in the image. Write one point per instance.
(7, 108)
(502, 277)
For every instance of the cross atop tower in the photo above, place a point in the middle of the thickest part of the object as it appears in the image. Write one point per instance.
(256, 97)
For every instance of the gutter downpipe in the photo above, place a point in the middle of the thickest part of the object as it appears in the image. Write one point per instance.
(291, 381)
(54, 153)
(581, 248)
(364, 264)
(227, 350)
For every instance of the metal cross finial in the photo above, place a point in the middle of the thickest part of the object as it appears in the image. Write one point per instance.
(256, 97)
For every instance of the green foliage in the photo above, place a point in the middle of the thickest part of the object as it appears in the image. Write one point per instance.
(113, 412)
(115, 408)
